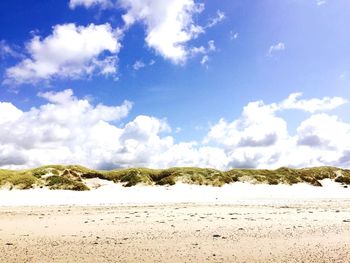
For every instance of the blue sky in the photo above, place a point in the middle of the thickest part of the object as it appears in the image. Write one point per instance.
(230, 53)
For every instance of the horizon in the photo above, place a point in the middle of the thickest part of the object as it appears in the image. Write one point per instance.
(71, 166)
(115, 84)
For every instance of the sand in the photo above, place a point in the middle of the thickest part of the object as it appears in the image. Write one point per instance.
(110, 193)
(274, 225)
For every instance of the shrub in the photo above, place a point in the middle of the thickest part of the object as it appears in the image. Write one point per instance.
(64, 183)
(343, 180)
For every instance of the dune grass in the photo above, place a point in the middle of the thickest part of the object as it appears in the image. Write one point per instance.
(17, 179)
(56, 182)
(72, 177)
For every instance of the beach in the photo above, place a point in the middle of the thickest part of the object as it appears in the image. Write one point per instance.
(174, 131)
(265, 226)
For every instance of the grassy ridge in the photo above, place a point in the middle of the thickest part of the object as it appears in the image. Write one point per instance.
(72, 177)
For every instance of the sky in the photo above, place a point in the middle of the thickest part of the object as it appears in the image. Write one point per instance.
(152, 83)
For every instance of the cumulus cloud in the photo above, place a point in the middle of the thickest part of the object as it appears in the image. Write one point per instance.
(169, 24)
(258, 126)
(69, 52)
(69, 130)
(73, 51)
(8, 112)
(327, 139)
(324, 131)
(63, 130)
(66, 129)
(90, 3)
(192, 154)
(260, 138)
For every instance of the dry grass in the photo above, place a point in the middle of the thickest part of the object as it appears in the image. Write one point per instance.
(72, 177)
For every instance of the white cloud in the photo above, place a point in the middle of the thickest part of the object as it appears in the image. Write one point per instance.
(277, 47)
(312, 105)
(138, 65)
(204, 60)
(211, 45)
(204, 51)
(8, 112)
(57, 97)
(234, 35)
(169, 24)
(321, 2)
(66, 129)
(7, 51)
(70, 130)
(190, 154)
(327, 139)
(90, 3)
(258, 126)
(219, 17)
(69, 52)
(260, 138)
(324, 131)
(76, 51)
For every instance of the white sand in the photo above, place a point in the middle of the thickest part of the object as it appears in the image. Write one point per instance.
(239, 222)
(313, 232)
(109, 193)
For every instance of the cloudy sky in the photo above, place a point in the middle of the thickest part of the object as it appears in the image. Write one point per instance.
(230, 83)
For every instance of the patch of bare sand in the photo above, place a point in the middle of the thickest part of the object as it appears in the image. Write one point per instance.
(108, 193)
(311, 231)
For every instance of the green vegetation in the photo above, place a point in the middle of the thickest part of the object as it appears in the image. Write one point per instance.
(192, 175)
(130, 176)
(72, 177)
(17, 179)
(63, 182)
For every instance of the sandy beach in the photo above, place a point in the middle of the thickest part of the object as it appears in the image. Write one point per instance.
(309, 232)
(174, 131)
(259, 223)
